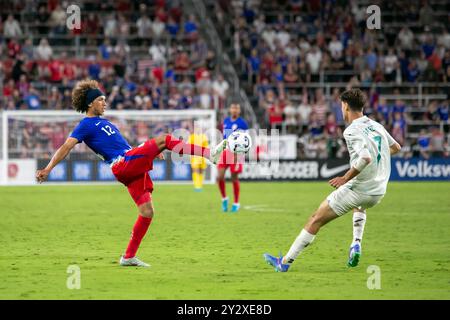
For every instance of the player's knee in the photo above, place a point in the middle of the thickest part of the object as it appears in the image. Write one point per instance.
(146, 210)
(234, 177)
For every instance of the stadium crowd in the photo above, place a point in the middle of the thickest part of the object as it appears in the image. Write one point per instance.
(286, 47)
(151, 55)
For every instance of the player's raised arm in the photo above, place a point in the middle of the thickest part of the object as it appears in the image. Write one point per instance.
(60, 154)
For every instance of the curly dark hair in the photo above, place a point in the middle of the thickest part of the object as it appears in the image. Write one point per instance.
(355, 98)
(79, 94)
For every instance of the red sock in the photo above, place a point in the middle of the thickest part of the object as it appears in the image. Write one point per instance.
(223, 192)
(181, 147)
(236, 190)
(139, 230)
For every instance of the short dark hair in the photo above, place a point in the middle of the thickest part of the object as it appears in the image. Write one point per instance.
(355, 98)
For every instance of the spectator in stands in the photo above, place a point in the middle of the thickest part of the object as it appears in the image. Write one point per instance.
(28, 49)
(383, 110)
(275, 114)
(431, 116)
(390, 65)
(123, 27)
(331, 127)
(110, 26)
(191, 28)
(290, 118)
(32, 99)
(426, 15)
(336, 48)
(371, 59)
(144, 26)
(399, 128)
(18, 68)
(199, 52)
(320, 107)
(54, 100)
(121, 50)
(105, 49)
(443, 111)
(13, 48)
(313, 59)
(444, 38)
(43, 50)
(291, 76)
(335, 106)
(304, 110)
(260, 23)
(315, 127)
(220, 89)
(92, 28)
(158, 27)
(57, 21)
(23, 85)
(406, 39)
(211, 60)
(172, 27)
(412, 73)
(182, 62)
(11, 28)
(428, 46)
(158, 52)
(94, 68)
(437, 142)
(42, 20)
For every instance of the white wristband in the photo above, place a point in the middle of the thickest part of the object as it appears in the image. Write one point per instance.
(360, 164)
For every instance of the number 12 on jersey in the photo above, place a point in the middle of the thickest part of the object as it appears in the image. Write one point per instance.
(109, 131)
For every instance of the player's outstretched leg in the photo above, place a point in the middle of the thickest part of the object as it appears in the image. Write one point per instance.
(359, 221)
(322, 216)
(167, 141)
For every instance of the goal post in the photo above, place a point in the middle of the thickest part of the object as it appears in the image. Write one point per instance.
(29, 139)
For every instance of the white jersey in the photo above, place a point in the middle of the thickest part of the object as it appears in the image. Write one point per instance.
(366, 133)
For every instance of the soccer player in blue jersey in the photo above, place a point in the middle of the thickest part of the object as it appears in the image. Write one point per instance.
(129, 165)
(230, 160)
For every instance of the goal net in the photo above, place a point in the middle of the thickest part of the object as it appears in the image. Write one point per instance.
(30, 138)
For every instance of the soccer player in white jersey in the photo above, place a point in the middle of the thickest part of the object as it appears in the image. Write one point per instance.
(363, 186)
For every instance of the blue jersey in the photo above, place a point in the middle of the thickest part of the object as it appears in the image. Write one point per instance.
(230, 126)
(102, 137)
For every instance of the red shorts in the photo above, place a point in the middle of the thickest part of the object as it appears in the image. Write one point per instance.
(133, 170)
(230, 160)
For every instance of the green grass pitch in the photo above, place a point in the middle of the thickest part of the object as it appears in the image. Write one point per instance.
(198, 252)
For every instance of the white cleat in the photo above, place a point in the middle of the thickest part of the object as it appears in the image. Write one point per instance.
(132, 262)
(217, 151)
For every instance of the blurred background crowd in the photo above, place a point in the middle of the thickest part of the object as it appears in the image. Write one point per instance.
(292, 57)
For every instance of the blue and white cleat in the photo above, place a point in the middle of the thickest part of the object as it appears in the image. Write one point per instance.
(235, 207)
(354, 255)
(225, 205)
(277, 263)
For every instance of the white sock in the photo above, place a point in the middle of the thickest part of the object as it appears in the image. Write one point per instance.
(302, 241)
(359, 221)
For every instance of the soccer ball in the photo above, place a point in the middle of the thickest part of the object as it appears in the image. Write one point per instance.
(239, 142)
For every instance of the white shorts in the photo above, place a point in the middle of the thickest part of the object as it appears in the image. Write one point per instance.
(343, 200)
